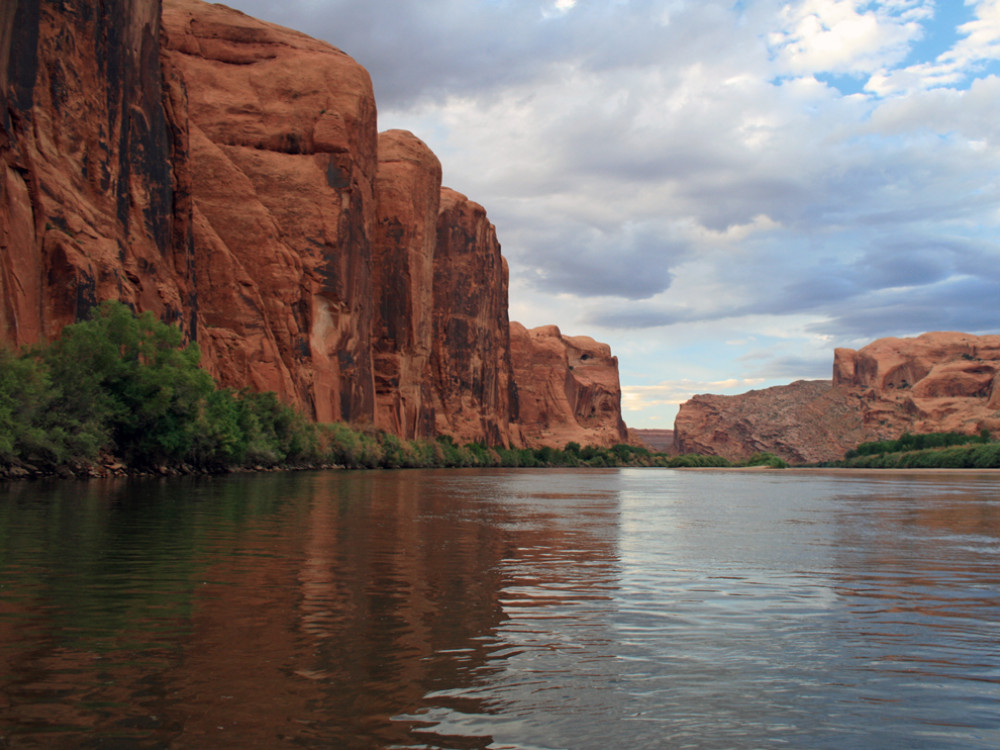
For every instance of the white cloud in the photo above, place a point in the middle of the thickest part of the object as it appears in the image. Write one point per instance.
(979, 44)
(640, 398)
(842, 36)
(980, 37)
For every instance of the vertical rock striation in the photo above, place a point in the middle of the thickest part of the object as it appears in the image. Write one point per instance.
(408, 191)
(475, 394)
(89, 206)
(283, 159)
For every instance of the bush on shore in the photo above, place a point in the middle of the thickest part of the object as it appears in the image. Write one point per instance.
(125, 386)
(909, 442)
(968, 456)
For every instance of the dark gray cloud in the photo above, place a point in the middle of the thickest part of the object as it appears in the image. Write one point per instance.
(898, 288)
(632, 261)
(963, 304)
(764, 364)
(638, 318)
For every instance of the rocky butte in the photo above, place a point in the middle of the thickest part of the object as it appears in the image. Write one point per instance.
(936, 382)
(227, 174)
(567, 387)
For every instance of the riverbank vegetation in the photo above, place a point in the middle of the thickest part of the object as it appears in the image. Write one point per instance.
(122, 393)
(936, 450)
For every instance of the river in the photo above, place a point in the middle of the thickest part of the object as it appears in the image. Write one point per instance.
(556, 609)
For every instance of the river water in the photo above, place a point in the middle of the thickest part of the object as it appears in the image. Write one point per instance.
(559, 609)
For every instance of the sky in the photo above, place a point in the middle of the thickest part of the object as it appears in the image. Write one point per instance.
(724, 191)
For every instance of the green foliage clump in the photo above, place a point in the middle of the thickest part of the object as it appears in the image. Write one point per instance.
(126, 385)
(697, 461)
(910, 442)
(767, 459)
(948, 451)
(32, 430)
(131, 374)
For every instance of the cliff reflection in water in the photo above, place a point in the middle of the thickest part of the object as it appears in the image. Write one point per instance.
(247, 611)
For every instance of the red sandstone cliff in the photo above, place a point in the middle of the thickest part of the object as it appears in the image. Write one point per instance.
(408, 190)
(91, 207)
(567, 388)
(475, 395)
(283, 160)
(661, 441)
(226, 174)
(803, 422)
(937, 382)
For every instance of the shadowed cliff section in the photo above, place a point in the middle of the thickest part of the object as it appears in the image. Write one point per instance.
(408, 189)
(89, 200)
(227, 175)
(475, 394)
(936, 382)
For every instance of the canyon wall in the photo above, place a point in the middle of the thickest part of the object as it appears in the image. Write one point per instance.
(227, 175)
(408, 190)
(658, 440)
(282, 156)
(936, 382)
(567, 387)
(90, 206)
(475, 395)
(803, 422)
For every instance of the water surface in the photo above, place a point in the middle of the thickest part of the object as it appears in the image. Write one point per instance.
(636, 608)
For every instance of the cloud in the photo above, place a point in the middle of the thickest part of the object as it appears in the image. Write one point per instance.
(767, 366)
(578, 262)
(959, 304)
(639, 398)
(978, 44)
(845, 36)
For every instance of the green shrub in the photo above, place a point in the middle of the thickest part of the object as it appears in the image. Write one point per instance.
(910, 442)
(767, 459)
(131, 374)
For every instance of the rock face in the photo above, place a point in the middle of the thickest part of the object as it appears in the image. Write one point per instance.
(90, 206)
(282, 154)
(567, 387)
(475, 395)
(937, 382)
(408, 190)
(661, 441)
(803, 422)
(227, 175)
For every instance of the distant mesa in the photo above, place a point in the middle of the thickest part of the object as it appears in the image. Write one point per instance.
(659, 441)
(936, 382)
(227, 175)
